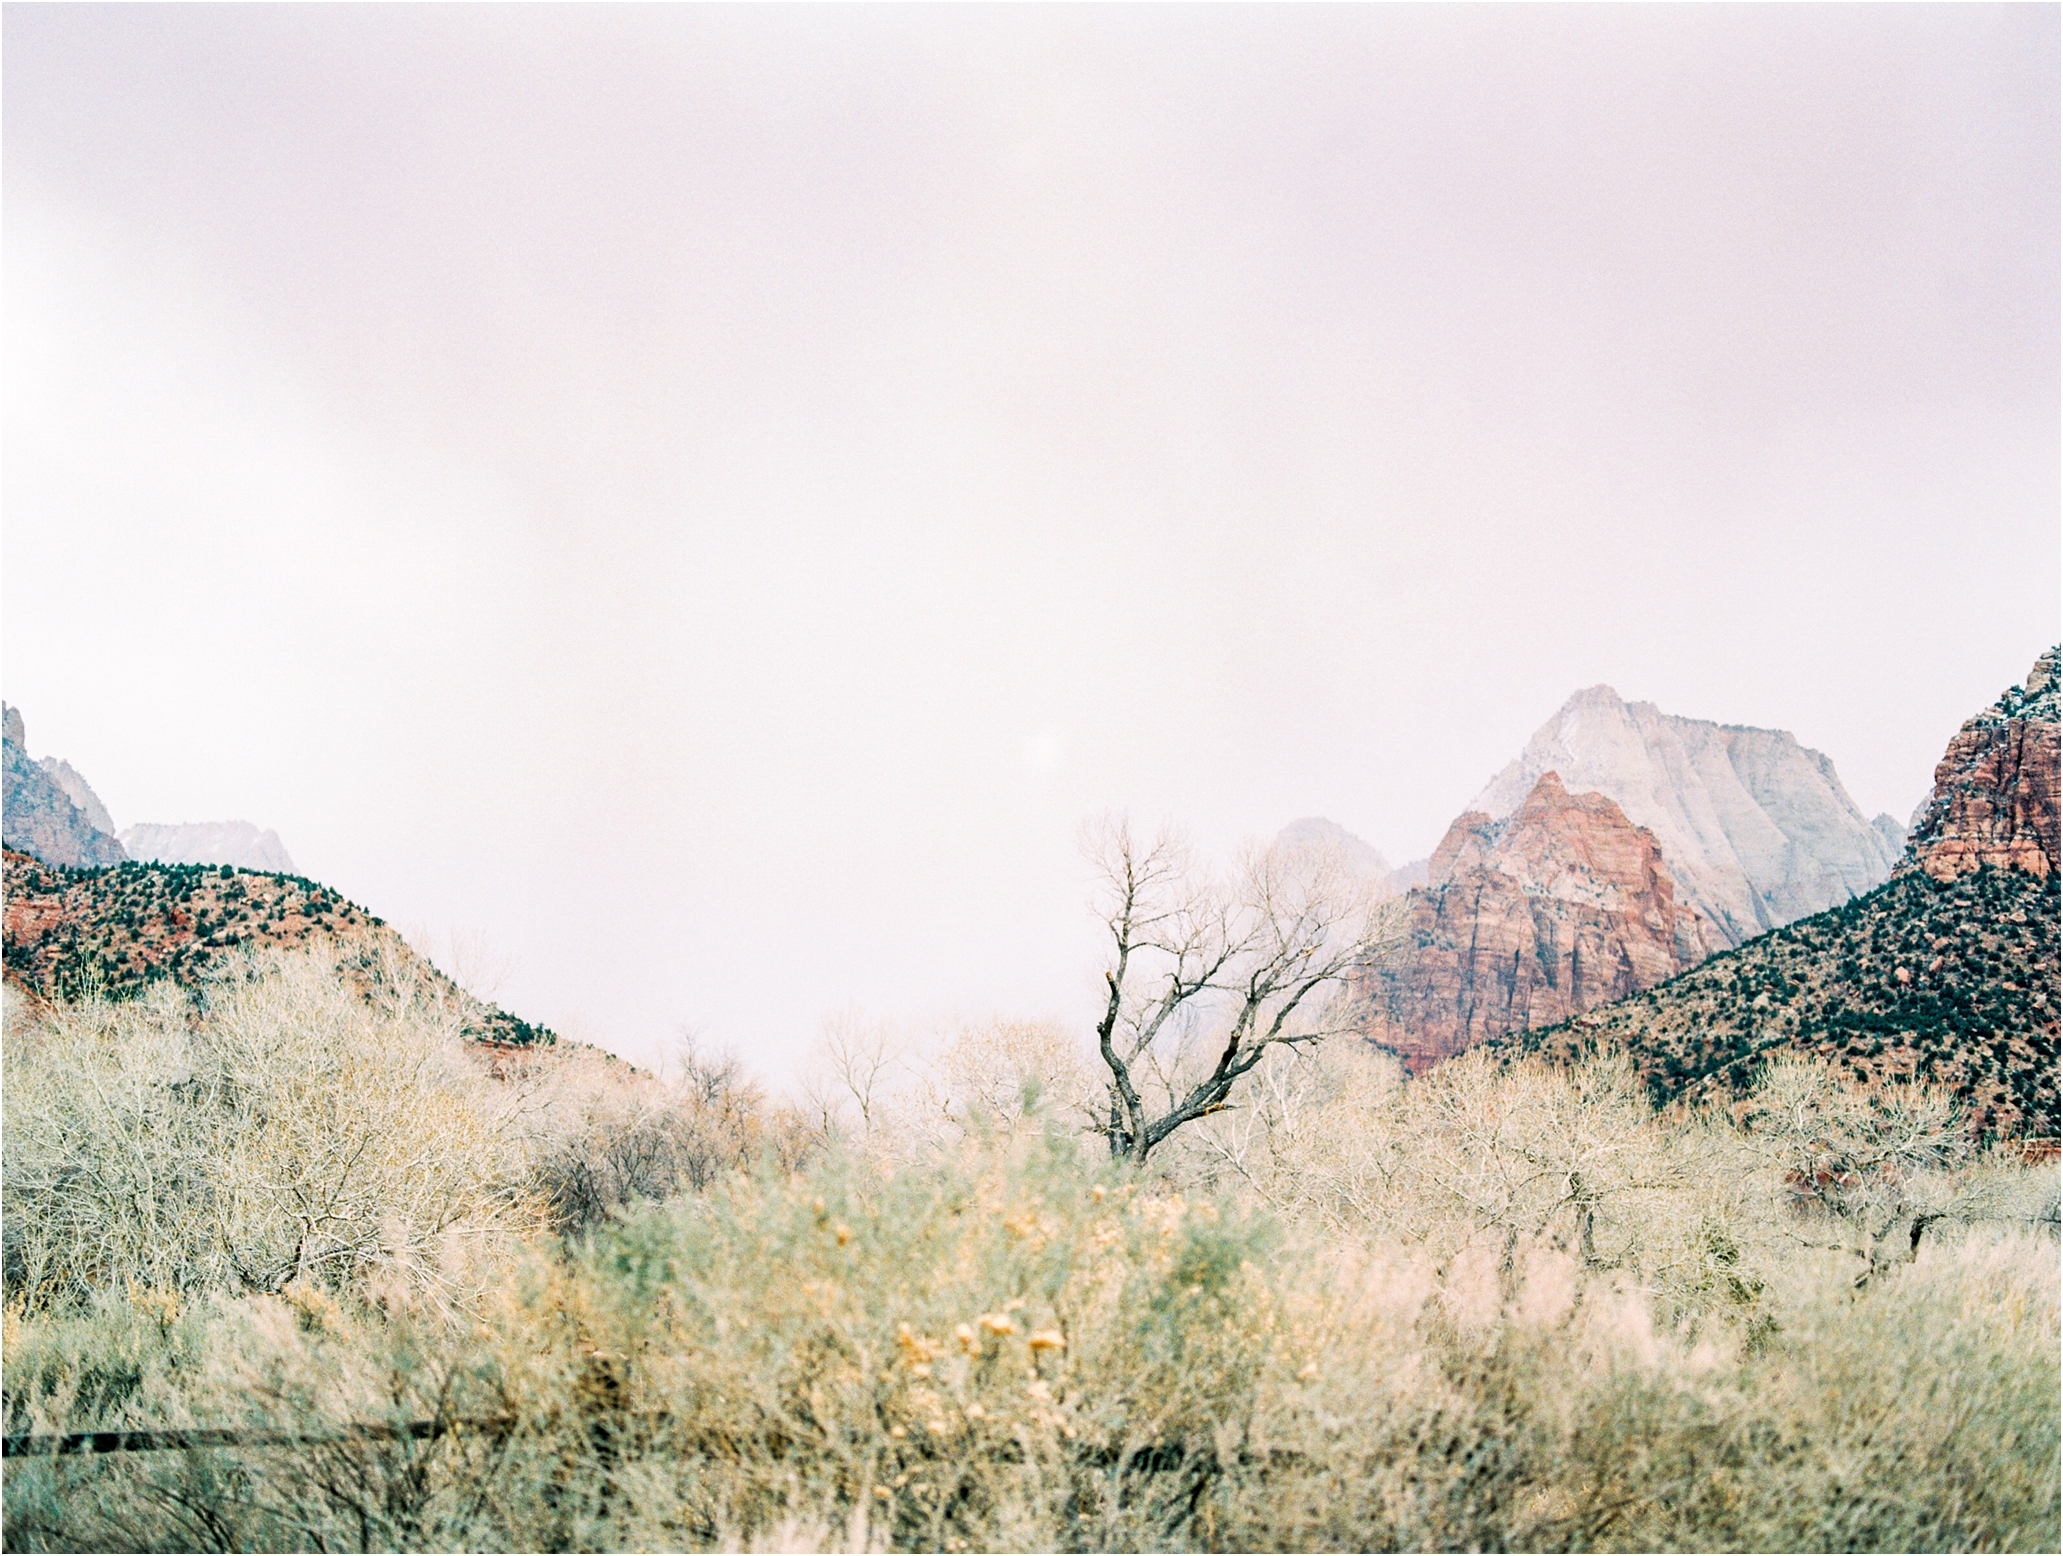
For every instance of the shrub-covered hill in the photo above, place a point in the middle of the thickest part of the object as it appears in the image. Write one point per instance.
(118, 928)
(1953, 982)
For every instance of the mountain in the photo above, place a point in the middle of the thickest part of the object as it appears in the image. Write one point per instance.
(1949, 973)
(1562, 905)
(207, 842)
(38, 811)
(1363, 857)
(78, 791)
(1994, 799)
(117, 929)
(1757, 829)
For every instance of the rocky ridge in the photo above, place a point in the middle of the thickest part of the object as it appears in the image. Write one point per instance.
(38, 812)
(115, 930)
(79, 792)
(1363, 857)
(207, 842)
(1995, 801)
(1756, 828)
(1950, 973)
(1526, 920)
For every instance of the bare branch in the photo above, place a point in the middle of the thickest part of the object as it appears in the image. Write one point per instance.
(1251, 957)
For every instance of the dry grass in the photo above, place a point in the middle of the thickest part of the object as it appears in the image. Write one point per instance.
(1488, 1310)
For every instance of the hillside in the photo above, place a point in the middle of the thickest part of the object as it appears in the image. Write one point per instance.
(1757, 829)
(120, 927)
(1949, 973)
(1950, 982)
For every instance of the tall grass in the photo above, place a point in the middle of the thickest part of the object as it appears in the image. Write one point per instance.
(1491, 1309)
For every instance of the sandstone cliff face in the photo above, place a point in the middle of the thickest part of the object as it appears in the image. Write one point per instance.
(1560, 906)
(1757, 829)
(236, 843)
(1994, 800)
(38, 816)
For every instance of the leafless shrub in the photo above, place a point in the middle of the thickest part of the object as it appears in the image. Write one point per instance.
(606, 1136)
(277, 1128)
(1496, 1307)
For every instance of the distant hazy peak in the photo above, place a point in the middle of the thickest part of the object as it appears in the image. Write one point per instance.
(1757, 829)
(236, 843)
(1365, 857)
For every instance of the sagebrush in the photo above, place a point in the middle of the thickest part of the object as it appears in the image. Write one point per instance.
(1494, 1308)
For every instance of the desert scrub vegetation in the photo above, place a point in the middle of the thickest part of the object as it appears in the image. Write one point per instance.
(114, 931)
(1499, 1307)
(1949, 982)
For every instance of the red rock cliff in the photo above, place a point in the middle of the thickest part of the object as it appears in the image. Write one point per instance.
(1994, 799)
(1563, 905)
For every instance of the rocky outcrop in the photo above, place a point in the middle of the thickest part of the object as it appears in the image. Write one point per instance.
(208, 842)
(1947, 974)
(1994, 801)
(1757, 829)
(79, 792)
(1525, 921)
(1363, 858)
(37, 813)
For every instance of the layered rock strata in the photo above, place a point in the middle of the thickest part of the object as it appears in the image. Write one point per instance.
(1525, 921)
(1757, 829)
(1995, 801)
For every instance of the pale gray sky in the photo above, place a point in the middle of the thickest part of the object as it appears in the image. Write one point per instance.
(709, 498)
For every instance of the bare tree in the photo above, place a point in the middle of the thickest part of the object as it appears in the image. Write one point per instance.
(854, 1062)
(698, 1071)
(1245, 963)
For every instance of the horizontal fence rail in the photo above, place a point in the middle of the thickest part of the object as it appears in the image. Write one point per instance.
(29, 1445)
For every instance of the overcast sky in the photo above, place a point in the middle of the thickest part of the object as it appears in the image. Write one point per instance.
(709, 499)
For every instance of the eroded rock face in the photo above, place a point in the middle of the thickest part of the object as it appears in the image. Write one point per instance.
(1994, 800)
(236, 843)
(38, 816)
(1563, 905)
(1757, 829)
(79, 792)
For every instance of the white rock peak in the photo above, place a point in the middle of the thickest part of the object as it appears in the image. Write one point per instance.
(236, 843)
(1756, 829)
